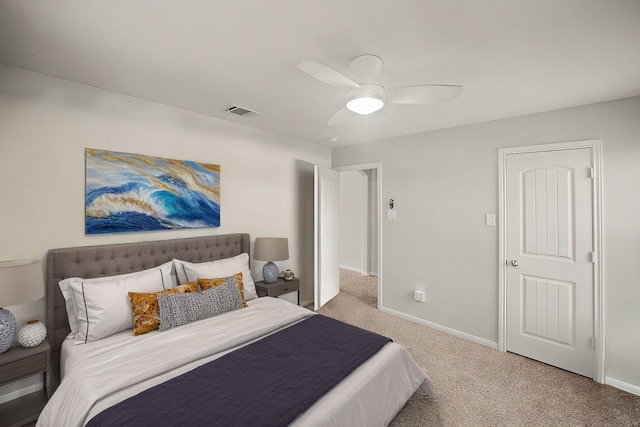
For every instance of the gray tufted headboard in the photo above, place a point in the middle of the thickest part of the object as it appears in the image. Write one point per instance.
(108, 260)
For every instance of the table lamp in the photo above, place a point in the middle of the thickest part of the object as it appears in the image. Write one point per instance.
(21, 281)
(271, 249)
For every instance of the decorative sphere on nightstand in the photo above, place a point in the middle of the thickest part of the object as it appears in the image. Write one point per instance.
(288, 275)
(32, 334)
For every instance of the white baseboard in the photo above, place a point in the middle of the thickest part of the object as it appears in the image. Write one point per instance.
(629, 388)
(624, 386)
(357, 270)
(450, 331)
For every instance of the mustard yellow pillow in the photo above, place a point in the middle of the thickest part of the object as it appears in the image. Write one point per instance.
(146, 312)
(212, 283)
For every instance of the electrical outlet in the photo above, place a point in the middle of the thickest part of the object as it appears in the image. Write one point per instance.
(419, 296)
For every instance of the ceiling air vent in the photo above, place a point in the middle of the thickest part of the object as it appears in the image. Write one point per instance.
(240, 111)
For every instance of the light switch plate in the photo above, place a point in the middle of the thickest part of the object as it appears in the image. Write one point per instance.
(391, 214)
(490, 219)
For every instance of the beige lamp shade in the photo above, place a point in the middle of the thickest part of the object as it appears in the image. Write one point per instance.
(21, 281)
(271, 249)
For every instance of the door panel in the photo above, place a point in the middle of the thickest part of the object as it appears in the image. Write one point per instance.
(550, 305)
(547, 212)
(327, 237)
(548, 309)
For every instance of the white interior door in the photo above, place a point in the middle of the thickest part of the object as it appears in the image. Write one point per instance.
(550, 271)
(327, 237)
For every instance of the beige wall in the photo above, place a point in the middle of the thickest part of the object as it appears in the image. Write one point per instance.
(45, 125)
(444, 183)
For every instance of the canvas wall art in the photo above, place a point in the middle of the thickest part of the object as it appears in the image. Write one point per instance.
(131, 192)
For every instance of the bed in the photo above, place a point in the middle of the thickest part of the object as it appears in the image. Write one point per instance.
(96, 382)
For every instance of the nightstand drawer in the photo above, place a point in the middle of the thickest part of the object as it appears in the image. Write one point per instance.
(283, 288)
(29, 365)
(280, 287)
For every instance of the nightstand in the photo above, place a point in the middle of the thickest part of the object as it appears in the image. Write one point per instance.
(280, 287)
(16, 363)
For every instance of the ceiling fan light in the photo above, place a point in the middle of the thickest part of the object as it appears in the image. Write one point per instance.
(365, 104)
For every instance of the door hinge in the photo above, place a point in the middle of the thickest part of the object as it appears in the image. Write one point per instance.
(591, 173)
(592, 257)
(593, 343)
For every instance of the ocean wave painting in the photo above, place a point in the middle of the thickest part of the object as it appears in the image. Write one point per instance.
(130, 192)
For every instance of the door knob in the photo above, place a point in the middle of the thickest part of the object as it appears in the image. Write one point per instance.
(514, 262)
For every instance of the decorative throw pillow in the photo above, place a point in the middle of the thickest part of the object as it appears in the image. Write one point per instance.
(146, 313)
(206, 284)
(180, 309)
(190, 271)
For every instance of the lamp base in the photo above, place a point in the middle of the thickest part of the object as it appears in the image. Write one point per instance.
(7, 329)
(270, 272)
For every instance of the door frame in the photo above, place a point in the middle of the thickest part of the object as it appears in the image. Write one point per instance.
(598, 246)
(378, 168)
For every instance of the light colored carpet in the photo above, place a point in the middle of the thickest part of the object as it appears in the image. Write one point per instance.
(478, 386)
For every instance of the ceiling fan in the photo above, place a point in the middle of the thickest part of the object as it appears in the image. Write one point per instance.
(366, 96)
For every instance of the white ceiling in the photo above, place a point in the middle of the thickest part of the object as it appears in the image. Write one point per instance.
(513, 57)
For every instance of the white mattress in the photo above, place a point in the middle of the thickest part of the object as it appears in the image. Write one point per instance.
(100, 374)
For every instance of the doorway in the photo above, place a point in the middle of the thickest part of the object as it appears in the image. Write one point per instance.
(360, 187)
(551, 252)
(310, 216)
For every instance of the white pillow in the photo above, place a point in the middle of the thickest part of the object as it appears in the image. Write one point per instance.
(218, 269)
(168, 282)
(65, 288)
(101, 306)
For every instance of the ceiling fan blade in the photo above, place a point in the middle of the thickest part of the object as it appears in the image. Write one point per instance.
(340, 117)
(326, 74)
(425, 94)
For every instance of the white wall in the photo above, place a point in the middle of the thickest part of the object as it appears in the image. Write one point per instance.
(359, 220)
(45, 125)
(444, 182)
(353, 215)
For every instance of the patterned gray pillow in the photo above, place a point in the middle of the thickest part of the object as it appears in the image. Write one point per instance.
(180, 309)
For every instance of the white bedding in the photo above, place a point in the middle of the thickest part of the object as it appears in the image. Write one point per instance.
(100, 374)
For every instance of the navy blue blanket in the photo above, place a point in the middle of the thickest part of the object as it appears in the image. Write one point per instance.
(266, 383)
